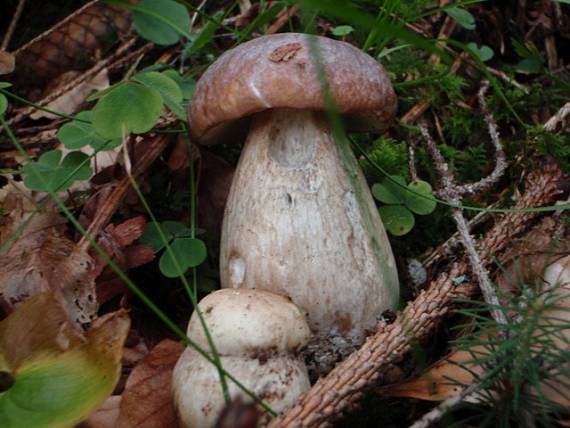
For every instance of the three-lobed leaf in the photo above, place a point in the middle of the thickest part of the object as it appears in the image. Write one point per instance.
(484, 53)
(131, 108)
(390, 191)
(52, 174)
(189, 252)
(168, 89)
(170, 230)
(80, 132)
(397, 219)
(421, 205)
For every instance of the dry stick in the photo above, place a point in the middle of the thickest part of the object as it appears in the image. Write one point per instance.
(435, 256)
(501, 158)
(282, 19)
(453, 193)
(12, 27)
(153, 149)
(344, 385)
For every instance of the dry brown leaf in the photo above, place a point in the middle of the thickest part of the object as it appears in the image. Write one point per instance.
(105, 416)
(444, 378)
(40, 259)
(147, 400)
(128, 231)
(47, 358)
(442, 381)
(70, 101)
(7, 62)
(239, 414)
(527, 257)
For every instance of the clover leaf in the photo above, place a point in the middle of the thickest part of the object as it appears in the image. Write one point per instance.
(52, 174)
(130, 107)
(80, 132)
(189, 252)
(402, 202)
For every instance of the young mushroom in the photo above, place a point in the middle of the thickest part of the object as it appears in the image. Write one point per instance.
(258, 335)
(300, 220)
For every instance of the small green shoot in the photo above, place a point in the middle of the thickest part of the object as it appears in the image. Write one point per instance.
(483, 52)
(342, 30)
(3, 104)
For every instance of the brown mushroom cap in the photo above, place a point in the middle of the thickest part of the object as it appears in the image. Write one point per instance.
(279, 71)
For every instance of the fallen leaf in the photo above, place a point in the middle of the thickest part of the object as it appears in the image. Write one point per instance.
(41, 258)
(60, 375)
(128, 231)
(147, 400)
(70, 100)
(239, 414)
(7, 62)
(442, 381)
(106, 415)
(527, 257)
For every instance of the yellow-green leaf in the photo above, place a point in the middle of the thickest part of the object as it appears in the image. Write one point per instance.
(58, 375)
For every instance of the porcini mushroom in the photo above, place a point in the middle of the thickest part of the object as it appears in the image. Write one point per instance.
(300, 220)
(258, 335)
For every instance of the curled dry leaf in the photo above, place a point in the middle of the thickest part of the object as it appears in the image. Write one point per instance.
(40, 259)
(147, 400)
(443, 380)
(7, 62)
(118, 242)
(105, 416)
(527, 258)
(239, 414)
(70, 100)
(59, 375)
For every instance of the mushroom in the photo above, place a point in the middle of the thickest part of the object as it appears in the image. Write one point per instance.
(300, 220)
(258, 335)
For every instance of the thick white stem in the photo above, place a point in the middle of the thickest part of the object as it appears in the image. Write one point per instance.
(300, 221)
